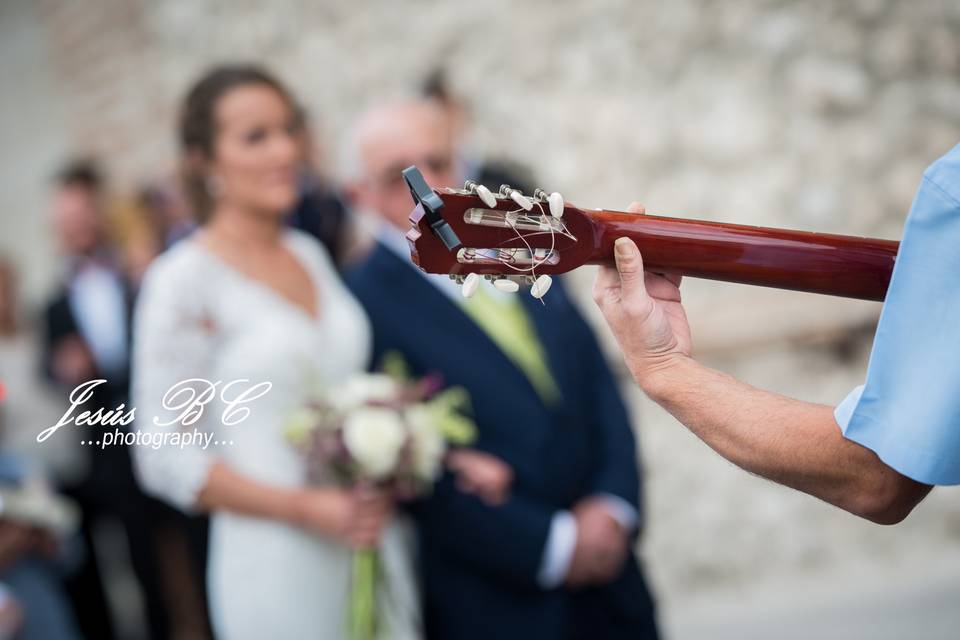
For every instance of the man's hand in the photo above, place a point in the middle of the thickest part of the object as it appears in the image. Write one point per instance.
(643, 309)
(602, 545)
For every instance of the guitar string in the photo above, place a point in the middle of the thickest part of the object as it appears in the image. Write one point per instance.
(564, 231)
(552, 231)
(553, 241)
(524, 217)
(533, 267)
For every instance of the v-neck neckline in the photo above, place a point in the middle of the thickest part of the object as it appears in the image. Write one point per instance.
(315, 316)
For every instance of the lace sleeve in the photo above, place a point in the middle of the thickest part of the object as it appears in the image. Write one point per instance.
(174, 340)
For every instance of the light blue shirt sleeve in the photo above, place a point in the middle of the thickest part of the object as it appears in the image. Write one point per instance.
(908, 411)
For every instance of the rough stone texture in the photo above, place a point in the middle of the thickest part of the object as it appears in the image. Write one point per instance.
(818, 115)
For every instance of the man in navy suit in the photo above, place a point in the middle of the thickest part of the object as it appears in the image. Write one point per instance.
(555, 559)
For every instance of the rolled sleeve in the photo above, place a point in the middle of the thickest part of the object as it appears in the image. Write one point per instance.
(908, 410)
(844, 411)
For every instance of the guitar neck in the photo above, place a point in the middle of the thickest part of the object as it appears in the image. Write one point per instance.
(846, 266)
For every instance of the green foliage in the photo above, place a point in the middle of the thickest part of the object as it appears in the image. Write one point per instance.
(447, 409)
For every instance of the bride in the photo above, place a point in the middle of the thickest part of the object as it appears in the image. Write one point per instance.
(247, 299)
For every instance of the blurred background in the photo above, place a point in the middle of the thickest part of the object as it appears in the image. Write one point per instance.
(809, 115)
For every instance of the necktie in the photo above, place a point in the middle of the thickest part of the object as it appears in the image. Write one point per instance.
(505, 321)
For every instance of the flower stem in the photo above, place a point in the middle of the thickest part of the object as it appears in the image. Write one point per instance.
(363, 602)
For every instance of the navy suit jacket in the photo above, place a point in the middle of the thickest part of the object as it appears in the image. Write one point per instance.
(479, 563)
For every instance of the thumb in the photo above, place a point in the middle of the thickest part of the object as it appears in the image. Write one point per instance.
(630, 266)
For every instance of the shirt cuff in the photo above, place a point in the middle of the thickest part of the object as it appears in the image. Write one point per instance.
(558, 551)
(843, 413)
(621, 511)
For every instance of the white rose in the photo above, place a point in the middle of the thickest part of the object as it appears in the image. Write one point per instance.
(428, 445)
(374, 438)
(360, 390)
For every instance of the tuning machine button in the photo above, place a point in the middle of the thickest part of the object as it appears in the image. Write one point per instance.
(485, 195)
(470, 284)
(554, 200)
(556, 204)
(522, 201)
(540, 286)
(506, 285)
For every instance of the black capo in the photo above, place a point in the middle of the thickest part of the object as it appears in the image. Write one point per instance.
(431, 203)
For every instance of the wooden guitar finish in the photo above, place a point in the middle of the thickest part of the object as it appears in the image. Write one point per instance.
(847, 266)
(443, 227)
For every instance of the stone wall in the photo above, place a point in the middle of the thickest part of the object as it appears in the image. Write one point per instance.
(818, 115)
(811, 114)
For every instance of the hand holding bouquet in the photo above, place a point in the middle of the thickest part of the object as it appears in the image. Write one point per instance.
(376, 433)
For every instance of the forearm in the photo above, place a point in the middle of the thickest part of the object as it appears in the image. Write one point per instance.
(789, 441)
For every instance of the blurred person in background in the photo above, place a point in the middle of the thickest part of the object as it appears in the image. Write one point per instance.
(319, 210)
(136, 239)
(247, 297)
(37, 530)
(167, 211)
(141, 227)
(556, 560)
(27, 404)
(86, 337)
(33, 556)
(490, 172)
(87, 320)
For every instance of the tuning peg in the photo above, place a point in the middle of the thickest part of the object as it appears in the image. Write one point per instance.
(504, 284)
(514, 194)
(470, 284)
(521, 200)
(555, 200)
(485, 194)
(556, 204)
(540, 286)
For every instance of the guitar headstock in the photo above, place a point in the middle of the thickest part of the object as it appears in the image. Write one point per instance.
(503, 235)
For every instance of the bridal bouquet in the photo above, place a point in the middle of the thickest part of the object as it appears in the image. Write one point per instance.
(383, 430)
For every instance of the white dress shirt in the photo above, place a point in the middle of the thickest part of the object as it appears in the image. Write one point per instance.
(97, 300)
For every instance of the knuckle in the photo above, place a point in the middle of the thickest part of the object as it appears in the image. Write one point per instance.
(636, 308)
(597, 296)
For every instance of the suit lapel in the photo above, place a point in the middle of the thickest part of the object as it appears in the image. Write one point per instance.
(442, 316)
(546, 323)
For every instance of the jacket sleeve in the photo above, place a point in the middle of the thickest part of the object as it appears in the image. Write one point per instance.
(504, 542)
(616, 463)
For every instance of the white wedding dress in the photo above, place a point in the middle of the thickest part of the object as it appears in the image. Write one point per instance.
(198, 318)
